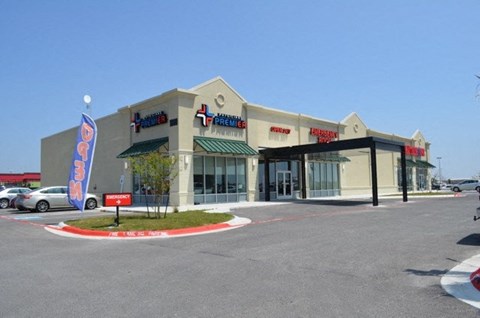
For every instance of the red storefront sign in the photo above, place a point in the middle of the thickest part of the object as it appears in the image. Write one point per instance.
(117, 199)
(414, 151)
(324, 136)
(280, 130)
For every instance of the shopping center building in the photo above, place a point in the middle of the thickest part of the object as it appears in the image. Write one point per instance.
(225, 147)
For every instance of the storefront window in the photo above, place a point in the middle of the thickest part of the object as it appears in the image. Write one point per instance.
(329, 175)
(295, 175)
(311, 169)
(198, 183)
(318, 181)
(323, 179)
(231, 176)
(409, 178)
(272, 175)
(209, 175)
(220, 175)
(241, 175)
(261, 175)
(219, 179)
(335, 182)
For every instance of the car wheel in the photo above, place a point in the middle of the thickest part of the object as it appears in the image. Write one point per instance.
(91, 204)
(477, 189)
(456, 189)
(3, 203)
(42, 206)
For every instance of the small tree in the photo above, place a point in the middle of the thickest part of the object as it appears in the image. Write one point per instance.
(158, 170)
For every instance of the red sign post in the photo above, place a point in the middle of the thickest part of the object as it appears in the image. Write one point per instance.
(117, 200)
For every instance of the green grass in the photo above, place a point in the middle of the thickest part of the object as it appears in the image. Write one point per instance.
(141, 222)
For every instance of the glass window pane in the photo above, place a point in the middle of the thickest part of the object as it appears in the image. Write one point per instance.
(318, 181)
(335, 183)
(231, 176)
(311, 175)
(273, 176)
(241, 175)
(137, 188)
(324, 176)
(198, 185)
(209, 175)
(282, 165)
(329, 175)
(295, 175)
(261, 175)
(220, 173)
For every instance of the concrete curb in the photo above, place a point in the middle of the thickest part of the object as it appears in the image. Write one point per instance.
(463, 282)
(69, 231)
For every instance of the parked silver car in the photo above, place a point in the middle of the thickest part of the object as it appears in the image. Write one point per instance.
(8, 194)
(469, 184)
(43, 199)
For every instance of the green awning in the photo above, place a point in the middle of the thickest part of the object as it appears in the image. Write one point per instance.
(234, 147)
(143, 147)
(424, 164)
(418, 163)
(330, 157)
(410, 163)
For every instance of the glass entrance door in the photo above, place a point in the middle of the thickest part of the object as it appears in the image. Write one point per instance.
(284, 185)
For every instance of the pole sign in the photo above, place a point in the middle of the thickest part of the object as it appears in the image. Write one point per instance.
(117, 199)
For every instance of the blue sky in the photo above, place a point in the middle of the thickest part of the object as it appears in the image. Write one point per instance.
(402, 65)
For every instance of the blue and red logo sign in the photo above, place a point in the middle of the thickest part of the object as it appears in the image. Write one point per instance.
(205, 115)
(148, 121)
(220, 119)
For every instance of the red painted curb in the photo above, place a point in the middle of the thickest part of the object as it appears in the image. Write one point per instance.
(159, 233)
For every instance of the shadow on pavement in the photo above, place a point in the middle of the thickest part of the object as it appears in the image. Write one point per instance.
(432, 272)
(334, 202)
(471, 240)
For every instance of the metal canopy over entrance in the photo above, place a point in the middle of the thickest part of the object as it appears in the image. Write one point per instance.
(372, 143)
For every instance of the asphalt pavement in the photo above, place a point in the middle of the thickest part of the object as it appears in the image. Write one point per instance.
(300, 259)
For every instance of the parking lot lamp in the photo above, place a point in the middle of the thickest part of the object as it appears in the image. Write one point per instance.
(440, 169)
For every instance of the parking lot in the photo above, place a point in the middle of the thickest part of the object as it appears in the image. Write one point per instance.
(299, 259)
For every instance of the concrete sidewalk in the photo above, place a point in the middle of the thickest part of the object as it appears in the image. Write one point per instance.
(214, 208)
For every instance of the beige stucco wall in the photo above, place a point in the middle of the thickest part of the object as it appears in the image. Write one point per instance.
(56, 157)
(112, 139)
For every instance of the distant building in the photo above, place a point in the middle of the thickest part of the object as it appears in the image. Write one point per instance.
(26, 179)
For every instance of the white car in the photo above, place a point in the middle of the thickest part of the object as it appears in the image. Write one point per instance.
(8, 194)
(469, 184)
(43, 199)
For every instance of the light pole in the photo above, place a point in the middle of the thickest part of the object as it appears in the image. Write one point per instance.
(440, 169)
(87, 100)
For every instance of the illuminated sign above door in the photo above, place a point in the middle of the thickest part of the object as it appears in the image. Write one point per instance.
(219, 119)
(414, 151)
(323, 136)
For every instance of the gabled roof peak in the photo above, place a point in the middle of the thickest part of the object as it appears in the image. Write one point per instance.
(215, 79)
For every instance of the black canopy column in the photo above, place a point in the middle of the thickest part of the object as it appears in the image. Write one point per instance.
(373, 166)
(266, 182)
(403, 163)
(304, 177)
